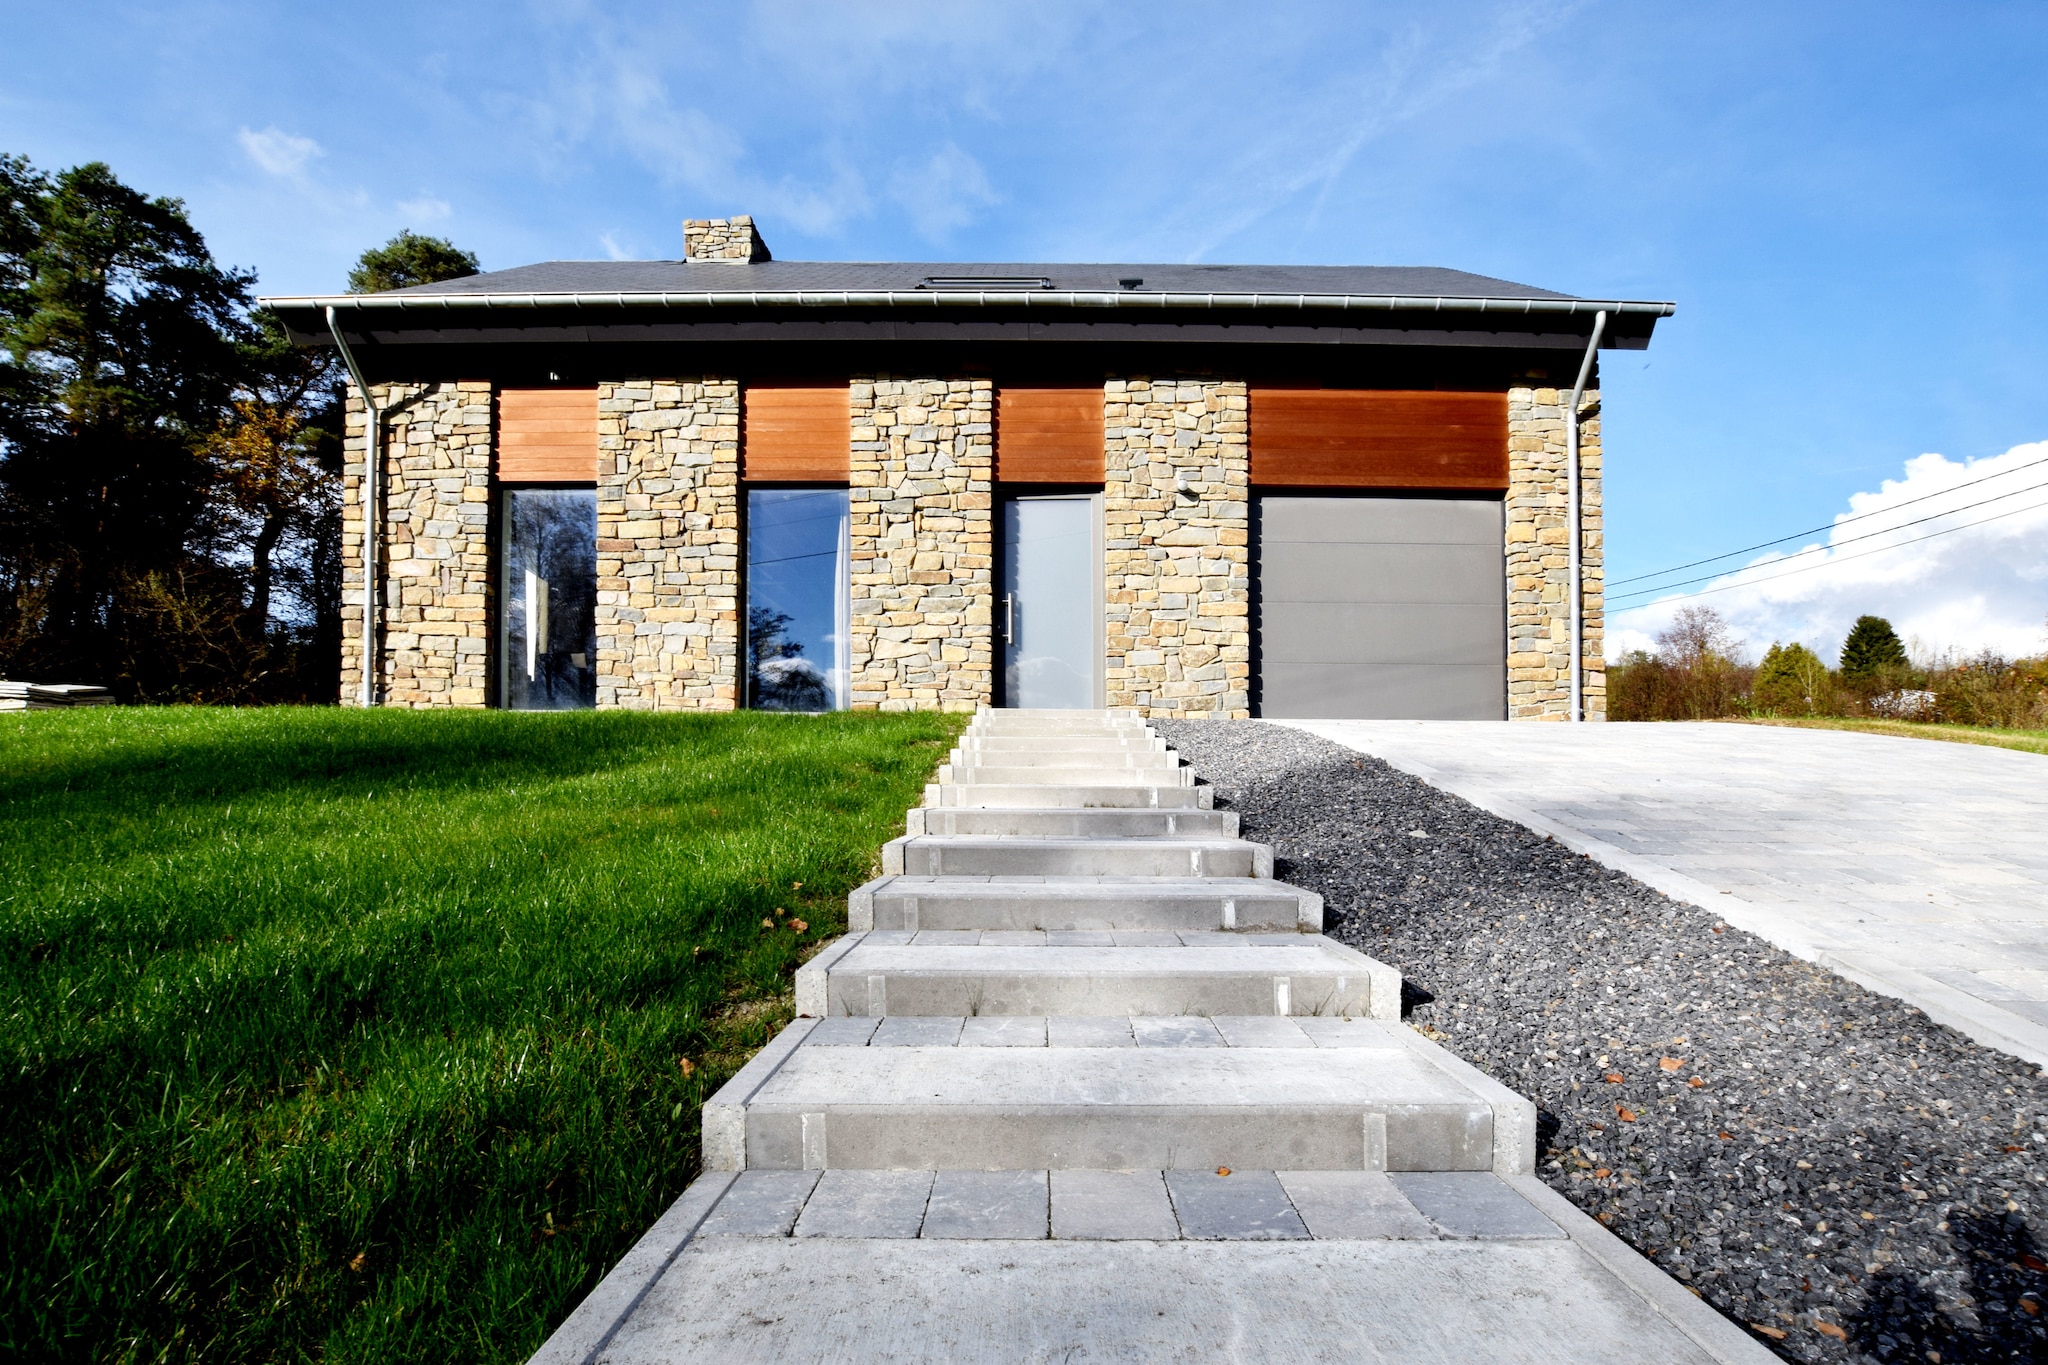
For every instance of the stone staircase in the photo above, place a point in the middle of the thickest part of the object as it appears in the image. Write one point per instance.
(1075, 1022)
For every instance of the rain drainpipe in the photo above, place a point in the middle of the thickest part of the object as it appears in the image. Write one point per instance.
(1574, 512)
(373, 450)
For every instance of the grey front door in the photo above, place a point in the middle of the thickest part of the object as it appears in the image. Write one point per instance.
(1046, 614)
(1381, 608)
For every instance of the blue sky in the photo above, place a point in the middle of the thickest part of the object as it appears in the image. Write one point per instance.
(1846, 201)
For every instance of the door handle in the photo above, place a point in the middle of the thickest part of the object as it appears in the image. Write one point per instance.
(1009, 618)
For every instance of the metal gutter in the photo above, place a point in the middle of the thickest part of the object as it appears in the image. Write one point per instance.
(1575, 514)
(968, 298)
(373, 451)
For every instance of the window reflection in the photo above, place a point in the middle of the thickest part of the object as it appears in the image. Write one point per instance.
(797, 551)
(548, 625)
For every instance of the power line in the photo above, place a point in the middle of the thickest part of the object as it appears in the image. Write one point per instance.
(1861, 554)
(1850, 540)
(1816, 530)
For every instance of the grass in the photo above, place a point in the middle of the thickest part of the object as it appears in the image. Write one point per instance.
(2028, 741)
(351, 1035)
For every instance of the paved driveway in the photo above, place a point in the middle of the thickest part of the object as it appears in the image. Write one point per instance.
(1915, 867)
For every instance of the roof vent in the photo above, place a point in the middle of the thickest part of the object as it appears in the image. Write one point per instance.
(729, 241)
(985, 282)
(1129, 282)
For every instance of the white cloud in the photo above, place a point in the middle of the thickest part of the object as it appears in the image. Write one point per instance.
(279, 152)
(612, 250)
(426, 208)
(944, 193)
(1961, 578)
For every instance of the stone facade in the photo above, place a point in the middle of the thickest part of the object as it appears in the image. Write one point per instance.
(723, 239)
(434, 616)
(668, 545)
(923, 552)
(1539, 557)
(1176, 517)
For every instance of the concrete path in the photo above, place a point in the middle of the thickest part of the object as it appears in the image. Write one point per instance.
(1085, 1082)
(1915, 867)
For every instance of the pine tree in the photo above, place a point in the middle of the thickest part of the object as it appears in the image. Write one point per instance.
(409, 259)
(1872, 648)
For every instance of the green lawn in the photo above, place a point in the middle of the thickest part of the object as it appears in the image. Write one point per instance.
(2029, 741)
(380, 1036)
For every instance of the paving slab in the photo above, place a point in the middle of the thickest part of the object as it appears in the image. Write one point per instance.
(1352, 1205)
(866, 1204)
(1233, 1205)
(1081, 795)
(1135, 903)
(1910, 866)
(968, 855)
(1112, 1206)
(1007, 1205)
(1073, 822)
(1472, 1204)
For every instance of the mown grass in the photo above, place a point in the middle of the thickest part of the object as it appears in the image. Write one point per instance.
(2027, 741)
(378, 1036)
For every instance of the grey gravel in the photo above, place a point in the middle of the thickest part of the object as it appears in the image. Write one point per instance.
(1814, 1160)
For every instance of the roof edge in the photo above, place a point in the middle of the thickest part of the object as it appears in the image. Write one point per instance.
(957, 298)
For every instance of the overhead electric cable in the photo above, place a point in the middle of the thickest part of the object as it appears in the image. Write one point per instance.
(1860, 554)
(1816, 530)
(1848, 540)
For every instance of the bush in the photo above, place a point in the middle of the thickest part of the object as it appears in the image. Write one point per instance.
(1993, 691)
(1792, 681)
(1697, 673)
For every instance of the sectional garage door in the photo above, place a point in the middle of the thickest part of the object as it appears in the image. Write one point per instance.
(1381, 608)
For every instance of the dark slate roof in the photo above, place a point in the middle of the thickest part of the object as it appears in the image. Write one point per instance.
(647, 277)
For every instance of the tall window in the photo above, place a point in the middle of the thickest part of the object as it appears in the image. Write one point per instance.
(548, 626)
(797, 608)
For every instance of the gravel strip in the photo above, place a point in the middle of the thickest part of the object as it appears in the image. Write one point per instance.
(1828, 1166)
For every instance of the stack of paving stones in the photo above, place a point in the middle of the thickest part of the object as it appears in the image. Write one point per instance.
(1848, 1179)
(1084, 1080)
(28, 696)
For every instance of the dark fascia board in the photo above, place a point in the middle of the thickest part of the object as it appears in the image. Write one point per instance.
(391, 318)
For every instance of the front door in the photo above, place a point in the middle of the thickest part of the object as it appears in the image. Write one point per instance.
(1047, 613)
(547, 642)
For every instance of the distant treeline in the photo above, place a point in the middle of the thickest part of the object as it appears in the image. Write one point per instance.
(1698, 672)
(170, 465)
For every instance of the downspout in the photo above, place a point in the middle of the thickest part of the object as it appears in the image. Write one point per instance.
(1575, 512)
(373, 451)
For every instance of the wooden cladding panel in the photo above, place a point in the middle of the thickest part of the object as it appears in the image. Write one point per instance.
(1049, 435)
(547, 435)
(797, 434)
(1378, 438)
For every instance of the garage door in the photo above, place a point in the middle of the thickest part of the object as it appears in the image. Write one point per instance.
(1381, 608)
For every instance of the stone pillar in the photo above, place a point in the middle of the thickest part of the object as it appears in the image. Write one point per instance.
(923, 551)
(435, 575)
(668, 545)
(1539, 557)
(1176, 511)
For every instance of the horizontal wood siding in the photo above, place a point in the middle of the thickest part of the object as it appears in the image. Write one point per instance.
(1369, 438)
(547, 435)
(1049, 435)
(796, 434)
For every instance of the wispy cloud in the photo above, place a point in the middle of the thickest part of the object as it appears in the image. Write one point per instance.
(279, 152)
(424, 209)
(944, 193)
(1969, 573)
(613, 251)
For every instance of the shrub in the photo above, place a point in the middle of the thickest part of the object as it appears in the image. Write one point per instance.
(1697, 673)
(1792, 681)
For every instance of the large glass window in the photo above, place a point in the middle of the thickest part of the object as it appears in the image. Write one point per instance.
(797, 606)
(548, 628)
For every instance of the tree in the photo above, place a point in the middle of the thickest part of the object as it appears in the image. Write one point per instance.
(1703, 673)
(409, 259)
(124, 343)
(1871, 650)
(1791, 681)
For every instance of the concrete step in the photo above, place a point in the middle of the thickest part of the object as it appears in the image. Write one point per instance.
(1073, 822)
(905, 1094)
(1052, 754)
(1005, 855)
(1076, 775)
(1083, 795)
(1023, 976)
(1113, 903)
(1076, 743)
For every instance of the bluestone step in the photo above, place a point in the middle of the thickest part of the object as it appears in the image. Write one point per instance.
(1135, 742)
(1162, 903)
(1074, 774)
(970, 855)
(1073, 822)
(887, 973)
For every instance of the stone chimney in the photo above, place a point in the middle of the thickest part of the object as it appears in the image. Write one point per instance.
(733, 241)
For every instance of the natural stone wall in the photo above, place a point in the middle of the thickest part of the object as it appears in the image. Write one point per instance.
(1539, 557)
(435, 491)
(923, 553)
(723, 239)
(668, 545)
(1176, 514)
